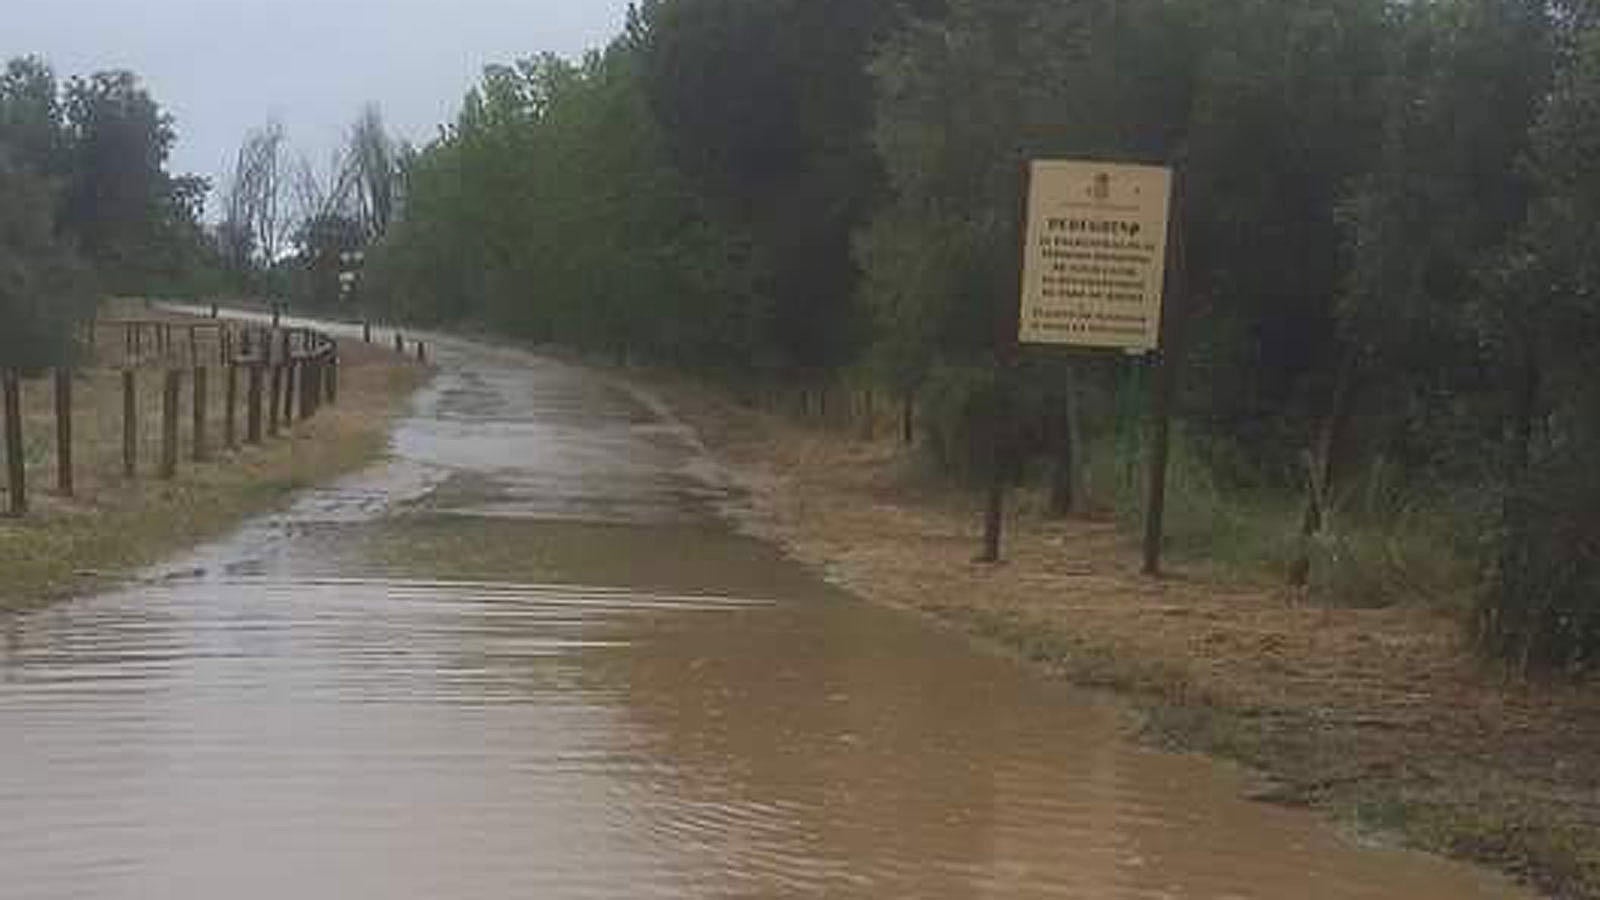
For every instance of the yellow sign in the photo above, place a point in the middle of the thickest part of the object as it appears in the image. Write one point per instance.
(1094, 265)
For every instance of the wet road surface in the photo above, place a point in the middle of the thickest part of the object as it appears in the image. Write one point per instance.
(528, 657)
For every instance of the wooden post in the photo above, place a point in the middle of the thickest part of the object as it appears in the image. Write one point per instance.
(213, 310)
(1066, 480)
(194, 346)
(64, 431)
(366, 332)
(308, 388)
(277, 314)
(422, 352)
(253, 405)
(16, 475)
(291, 374)
(399, 343)
(130, 424)
(169, 422)
(333, 378)
(199, 413)
(230, 414)
(276, 399)
(1167, 360)
(319, 371)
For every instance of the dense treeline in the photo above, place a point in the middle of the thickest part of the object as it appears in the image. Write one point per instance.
(86, 204)
(1392, 222)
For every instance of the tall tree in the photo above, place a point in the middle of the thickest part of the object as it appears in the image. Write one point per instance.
(44, 287)
(254, 223)
(766, 106)
(121, 204)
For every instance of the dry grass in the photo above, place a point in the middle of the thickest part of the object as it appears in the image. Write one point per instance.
(113, 524)
(1380, 716)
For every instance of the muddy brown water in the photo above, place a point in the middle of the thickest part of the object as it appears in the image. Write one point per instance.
(529, 657)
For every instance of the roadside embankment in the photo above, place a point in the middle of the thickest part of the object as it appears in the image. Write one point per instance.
(1381, 717)
(114, 524)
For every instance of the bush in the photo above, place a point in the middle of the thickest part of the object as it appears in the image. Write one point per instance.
(1540, 608)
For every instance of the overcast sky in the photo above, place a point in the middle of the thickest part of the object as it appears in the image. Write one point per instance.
(223, 66)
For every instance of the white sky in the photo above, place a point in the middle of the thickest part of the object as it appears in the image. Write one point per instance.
(223, 66)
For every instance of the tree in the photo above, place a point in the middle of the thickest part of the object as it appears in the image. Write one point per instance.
(1538, 607)
(44, 288)
(766, 107)
(128, 215)
(1426, 227)
(30, 116)
(253, 224)
(374, 161)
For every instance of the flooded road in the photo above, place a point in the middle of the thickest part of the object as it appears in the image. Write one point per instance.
(529, 658)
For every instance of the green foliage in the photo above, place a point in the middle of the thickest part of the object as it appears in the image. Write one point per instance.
(549, 210)
(1541, 604)
(765, 106)
(128, 215)
(44, 288)
(100, 146)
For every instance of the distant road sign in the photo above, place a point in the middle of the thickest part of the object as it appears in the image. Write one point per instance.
(1094, 265)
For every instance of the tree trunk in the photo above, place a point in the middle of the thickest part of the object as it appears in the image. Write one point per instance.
(1320, 471)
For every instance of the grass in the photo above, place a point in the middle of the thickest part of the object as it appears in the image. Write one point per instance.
(1386, 542)
(114, 525)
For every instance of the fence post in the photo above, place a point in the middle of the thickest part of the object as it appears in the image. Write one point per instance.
(422, 352)
(130, 425)
(16, 475)
(277, 314)
(64, 431)
(366, 332)
(276, 399)
(291, 375)
(333, 377)
(199, 411)
(399, 343)
(303, 396)
(253, 405)
(169, 423)
(194, 345)
(230, 416)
